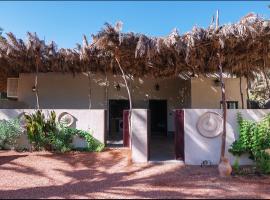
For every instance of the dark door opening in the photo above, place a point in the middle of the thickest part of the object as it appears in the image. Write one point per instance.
(158, 109)
(116, 108)
(161, 144)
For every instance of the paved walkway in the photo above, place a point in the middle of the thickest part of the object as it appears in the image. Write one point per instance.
(110, 175)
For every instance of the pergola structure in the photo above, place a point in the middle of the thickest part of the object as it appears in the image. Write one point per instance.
(243, 49)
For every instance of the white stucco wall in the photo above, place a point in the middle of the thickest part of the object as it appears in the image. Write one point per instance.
(86, 120)
(199, 148)
(205, 94)
(140, 133)
(65, 91)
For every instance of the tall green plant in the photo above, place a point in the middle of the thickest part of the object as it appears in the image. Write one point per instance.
(39, 129)
(254, 139)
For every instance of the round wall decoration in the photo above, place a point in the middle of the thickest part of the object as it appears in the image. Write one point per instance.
(210, 124)
(66, 119)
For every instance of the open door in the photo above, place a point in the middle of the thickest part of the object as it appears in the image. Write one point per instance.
(179, 135)
(161, 143)
(116, 108)
(158, 109)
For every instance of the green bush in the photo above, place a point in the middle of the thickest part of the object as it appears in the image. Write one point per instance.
(236, 166)
(61, 140)
(10, 130)
(93, 145)
(48, 134)
(38, 130)
(254, 139)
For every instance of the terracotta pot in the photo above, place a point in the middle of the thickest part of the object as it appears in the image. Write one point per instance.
(224, 167)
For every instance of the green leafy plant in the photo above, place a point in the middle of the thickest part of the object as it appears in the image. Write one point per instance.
(61, 140)
(46, 133)
(10, 130)
(254, 139)
(236, 166)
(39, 129)
(93, 145)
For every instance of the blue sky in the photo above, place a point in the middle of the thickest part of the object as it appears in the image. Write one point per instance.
(66, 22)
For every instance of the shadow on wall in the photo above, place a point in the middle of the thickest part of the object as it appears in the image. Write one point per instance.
(10, 113)
(11, 104)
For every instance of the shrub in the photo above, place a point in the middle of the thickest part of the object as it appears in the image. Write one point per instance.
(93, 145)
(61, 140)
(10, 130)
(48, 134)
(39, 129)
(236, 166)
(254, 139)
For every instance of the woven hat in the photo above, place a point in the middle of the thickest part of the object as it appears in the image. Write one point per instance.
(210, 124)
(66, 119)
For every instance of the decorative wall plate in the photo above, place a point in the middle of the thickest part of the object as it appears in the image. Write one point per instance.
(66, 119)
(209, 124)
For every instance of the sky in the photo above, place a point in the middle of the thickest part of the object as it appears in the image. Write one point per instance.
(66, 22)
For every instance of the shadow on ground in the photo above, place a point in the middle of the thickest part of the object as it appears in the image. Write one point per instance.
(110, 175)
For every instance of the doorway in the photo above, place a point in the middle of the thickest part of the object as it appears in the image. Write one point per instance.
(116, 108)
(158, 109)
(161, 144)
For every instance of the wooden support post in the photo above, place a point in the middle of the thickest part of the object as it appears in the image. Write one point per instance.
(128, 91)
(223, 97)
(36, 87)
(247, 91)
(224, 109)
(89, 90)
(241, 93)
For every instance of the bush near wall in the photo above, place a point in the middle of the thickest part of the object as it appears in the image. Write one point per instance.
(10, 131)
(254, 139)
(46, 133)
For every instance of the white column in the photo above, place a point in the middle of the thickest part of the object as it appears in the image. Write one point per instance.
(140, 121)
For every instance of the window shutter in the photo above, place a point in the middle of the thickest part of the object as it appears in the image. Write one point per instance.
(12, 87)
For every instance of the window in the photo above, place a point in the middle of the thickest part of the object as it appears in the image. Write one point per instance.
(12, 87)
(230, 104)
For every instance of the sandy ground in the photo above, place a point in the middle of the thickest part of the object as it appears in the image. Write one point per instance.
(110, 175)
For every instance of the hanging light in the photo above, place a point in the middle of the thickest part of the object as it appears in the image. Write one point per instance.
(118, 87)
(34, 89)
(157, 87)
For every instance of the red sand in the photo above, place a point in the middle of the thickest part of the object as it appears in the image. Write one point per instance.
(109, 175)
